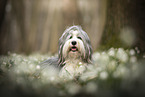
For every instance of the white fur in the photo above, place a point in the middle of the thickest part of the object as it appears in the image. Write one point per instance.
(73, 63)
(68, 45)
(73, 68)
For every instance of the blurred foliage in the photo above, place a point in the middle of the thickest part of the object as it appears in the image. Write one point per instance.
(115, 73)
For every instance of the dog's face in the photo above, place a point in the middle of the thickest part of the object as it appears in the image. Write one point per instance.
(75, 44)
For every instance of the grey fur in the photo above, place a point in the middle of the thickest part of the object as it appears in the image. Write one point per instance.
(59, 61)
(86, 40)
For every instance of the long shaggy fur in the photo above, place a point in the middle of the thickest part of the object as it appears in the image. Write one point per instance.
(75, 37)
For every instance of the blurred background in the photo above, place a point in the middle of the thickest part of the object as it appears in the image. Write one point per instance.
(28, 26)
(33, 27)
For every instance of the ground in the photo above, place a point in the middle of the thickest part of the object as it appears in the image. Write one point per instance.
(116, 72)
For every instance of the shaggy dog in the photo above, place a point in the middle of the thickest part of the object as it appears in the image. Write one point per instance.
(74, 52)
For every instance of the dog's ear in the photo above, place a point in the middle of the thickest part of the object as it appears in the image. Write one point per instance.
(88, 47)
(62, 41)
(60, 56)
(60, 48)
(89, 51)
(87, 56)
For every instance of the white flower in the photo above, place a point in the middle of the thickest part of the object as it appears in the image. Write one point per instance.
(50, 74)
(103, 75)
(104, 59)
(122, 55)
(4, 63)
(111, 52)
(80, 63)
(91, 73)
(81, 69)
(38, 67)
(31, 66)
(112, 65)
(132, 52)
(96, 56)
(121, 71)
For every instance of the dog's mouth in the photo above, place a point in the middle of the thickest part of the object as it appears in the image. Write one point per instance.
(74, 49)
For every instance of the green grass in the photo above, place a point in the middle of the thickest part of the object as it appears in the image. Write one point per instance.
(115, 73)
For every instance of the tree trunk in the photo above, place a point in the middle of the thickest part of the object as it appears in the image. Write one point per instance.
(124, 17)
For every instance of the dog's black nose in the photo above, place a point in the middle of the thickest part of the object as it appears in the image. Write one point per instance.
(73, 42)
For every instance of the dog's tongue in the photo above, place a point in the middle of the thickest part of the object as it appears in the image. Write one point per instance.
(74, 49)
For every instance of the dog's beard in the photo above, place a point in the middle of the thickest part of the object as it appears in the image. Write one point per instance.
(73, 51)
(73, 55)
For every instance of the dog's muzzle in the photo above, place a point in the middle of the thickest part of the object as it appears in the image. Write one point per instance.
(73, 48)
